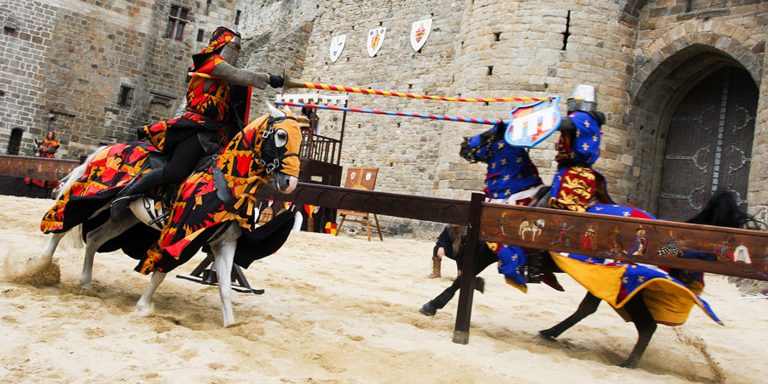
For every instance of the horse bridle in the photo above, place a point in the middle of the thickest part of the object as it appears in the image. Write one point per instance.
(277, 161)
(270, 152)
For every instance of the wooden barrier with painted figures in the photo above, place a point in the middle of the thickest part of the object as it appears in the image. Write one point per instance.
(738, 252)
(36, 167)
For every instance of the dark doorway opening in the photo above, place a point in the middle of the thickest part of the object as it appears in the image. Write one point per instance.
(709, 143)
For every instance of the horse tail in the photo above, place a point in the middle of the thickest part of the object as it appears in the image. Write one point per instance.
(723, 210)
(75, 236)
(76, 174)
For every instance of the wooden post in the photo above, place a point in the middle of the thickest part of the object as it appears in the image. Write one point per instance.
(468, 272)
(341, 136)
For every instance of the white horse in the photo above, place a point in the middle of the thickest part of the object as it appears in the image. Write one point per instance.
(223, 243)
(533, 228)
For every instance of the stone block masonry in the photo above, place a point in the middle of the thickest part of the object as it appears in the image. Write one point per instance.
(66, 63)
(68, 59)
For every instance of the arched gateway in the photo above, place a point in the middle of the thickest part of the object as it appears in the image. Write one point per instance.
(708, 143)
(694, 114)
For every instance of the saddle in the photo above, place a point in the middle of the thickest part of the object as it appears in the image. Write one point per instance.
(166, 195)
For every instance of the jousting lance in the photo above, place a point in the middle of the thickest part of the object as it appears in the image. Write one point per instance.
(290, 83)
(392, 113)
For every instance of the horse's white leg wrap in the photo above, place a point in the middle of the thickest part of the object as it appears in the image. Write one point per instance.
(144, 306)
(95, 239)
(224, 255)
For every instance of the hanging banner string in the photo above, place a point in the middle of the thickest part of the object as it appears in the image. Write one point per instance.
(392, 113)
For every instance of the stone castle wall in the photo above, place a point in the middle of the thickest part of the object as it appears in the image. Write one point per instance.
(502, 48)
(68, 58)
(26, 39)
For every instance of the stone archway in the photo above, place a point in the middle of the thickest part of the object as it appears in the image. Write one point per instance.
(656, 114)
(687, 39)
(708, 143)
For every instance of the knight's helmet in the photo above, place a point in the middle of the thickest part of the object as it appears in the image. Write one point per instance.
(231, 50)
(225, 42)
(582, 99)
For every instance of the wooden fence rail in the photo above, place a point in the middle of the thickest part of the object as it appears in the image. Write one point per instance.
(36, 167)
(736, 252)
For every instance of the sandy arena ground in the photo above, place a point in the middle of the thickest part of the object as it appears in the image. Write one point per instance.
(338, 310)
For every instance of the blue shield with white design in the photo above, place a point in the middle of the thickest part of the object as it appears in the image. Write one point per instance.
(531, 124)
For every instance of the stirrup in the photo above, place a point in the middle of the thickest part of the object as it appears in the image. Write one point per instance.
(118, 206)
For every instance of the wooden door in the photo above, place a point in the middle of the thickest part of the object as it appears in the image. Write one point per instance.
(709, 143)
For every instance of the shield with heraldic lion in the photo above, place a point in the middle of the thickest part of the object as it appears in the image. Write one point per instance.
(375, 40)
(337, 45)
(420, 33)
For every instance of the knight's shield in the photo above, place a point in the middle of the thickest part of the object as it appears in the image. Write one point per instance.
(337, 45)
(531, 124)
(375, 40)
(420, 33)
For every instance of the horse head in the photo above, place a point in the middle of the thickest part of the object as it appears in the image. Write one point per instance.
(510, 169)
(281, 149)
(273, 142)
(484, 146)
(723, 210)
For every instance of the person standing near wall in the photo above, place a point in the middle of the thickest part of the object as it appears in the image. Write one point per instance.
(47, 147)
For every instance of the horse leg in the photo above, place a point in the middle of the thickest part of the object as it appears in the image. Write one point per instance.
(645, 325)
(430, 308)
(144, 306)
(224, 256)
(52, 244)
(95, 239)
(587, 307)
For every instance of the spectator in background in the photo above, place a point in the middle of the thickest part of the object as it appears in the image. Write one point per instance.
(311, 114)
(48, 147)
(45, 148)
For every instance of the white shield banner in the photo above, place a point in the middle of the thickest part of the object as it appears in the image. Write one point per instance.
(375, 40)
(337, 45)
(530, 124)
(420, 33)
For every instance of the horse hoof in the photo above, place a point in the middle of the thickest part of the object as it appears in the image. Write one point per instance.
(628, 364)
(86, 286)
(428, 309)
(142, 311)
(547, 336)
(480, 284)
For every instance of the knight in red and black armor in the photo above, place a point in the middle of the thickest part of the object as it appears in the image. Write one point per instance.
(203, 128)
(576, 186)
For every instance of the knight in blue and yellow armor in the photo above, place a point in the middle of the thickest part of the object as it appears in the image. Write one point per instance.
(576, 185)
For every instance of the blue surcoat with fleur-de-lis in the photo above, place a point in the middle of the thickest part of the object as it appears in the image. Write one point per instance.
(576, 186)
(510, 169)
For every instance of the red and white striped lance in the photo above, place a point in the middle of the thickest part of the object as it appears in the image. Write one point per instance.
(289, 83)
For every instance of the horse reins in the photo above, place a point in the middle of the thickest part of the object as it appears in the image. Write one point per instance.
(276, 163)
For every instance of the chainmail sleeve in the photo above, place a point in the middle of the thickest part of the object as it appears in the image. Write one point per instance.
(237, 76)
